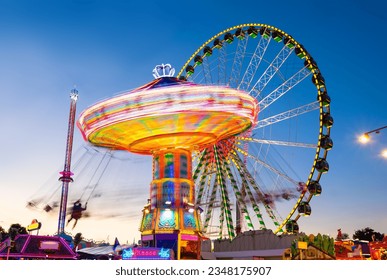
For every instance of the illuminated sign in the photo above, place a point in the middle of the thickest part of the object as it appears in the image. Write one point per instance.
(189, 237)
(49, 245)
(302, 245)
(35, 225)
(147, 254)
(147, 237)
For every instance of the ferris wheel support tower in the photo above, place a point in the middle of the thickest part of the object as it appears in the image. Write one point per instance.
(66, 173)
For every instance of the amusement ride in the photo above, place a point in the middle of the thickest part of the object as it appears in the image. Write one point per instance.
(265, 177)
(239, 139)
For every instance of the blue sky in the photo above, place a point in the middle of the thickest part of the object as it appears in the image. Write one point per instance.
(105, 47)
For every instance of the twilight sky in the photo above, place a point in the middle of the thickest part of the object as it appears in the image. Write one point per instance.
(105, 47)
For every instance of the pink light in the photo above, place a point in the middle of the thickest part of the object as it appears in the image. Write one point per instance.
(49, 245)
(147, 237)
(189, 237)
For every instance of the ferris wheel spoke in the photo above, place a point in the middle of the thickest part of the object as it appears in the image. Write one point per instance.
(283, 88)
(288, 114)
(270, 71)
(207, 72)
(206, 182)
(225, 202)
(222, 65)
(250, 195)
(238, 60)
(237, 192)
(255, 62)
(257, 189)
(209, 186)
(276, 142)
(268, 166)
(201, 161)
(202, 184)
(212, 187)
(221, 222)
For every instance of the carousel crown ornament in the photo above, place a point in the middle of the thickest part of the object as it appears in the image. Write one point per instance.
(163, 70)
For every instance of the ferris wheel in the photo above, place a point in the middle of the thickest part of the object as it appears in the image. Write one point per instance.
(266, 177)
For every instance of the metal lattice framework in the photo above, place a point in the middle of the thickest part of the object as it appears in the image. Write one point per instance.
(266, 177)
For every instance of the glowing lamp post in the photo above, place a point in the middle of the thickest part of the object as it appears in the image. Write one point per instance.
(170, 119)
(366, 138)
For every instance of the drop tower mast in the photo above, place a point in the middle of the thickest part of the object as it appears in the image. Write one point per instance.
(66, 173)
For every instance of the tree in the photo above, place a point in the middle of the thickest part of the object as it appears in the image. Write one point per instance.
(3, 234)
(368, 234)
(13, 231)
(17, 229)
(77, 239)
(345, 235)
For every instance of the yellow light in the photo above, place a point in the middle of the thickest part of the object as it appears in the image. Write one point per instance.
(364, 138)
(384, 153)
(302, 245)
(34, 226)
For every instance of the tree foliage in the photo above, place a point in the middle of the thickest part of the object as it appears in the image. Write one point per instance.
(345, 235)
(3, 234)
(12, 232)
(368, 234)
(77, 239)
(320, 241)
(16, 229)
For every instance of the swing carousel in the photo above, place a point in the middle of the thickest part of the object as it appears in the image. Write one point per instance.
(169, 119)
